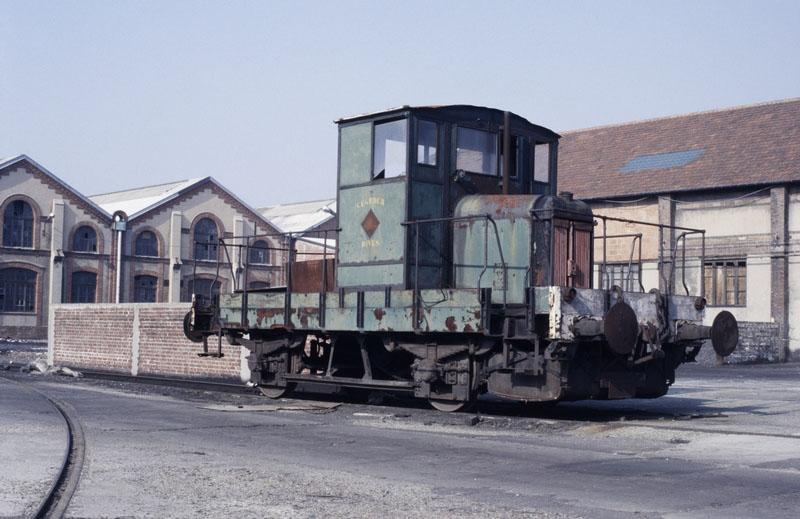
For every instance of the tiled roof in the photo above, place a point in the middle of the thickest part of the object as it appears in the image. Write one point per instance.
(741, 146)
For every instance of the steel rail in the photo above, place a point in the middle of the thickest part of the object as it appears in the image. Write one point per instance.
(169, 381)
(56, 500)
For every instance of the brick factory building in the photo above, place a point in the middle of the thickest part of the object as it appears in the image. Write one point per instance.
(59, 246)
(733, 172)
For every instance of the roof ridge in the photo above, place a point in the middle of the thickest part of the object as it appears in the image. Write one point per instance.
(679, 116)
(147, 187)
(332, 199)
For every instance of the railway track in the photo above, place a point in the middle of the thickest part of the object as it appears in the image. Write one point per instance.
(55, 502)
(228, 387)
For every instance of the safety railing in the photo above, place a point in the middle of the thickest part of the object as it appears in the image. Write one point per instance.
(488, 221)
(277, 242)
(667, 257)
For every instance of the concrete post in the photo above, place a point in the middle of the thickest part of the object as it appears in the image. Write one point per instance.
(56, 280)
(779, 264)
(666, 216)
(174, 255)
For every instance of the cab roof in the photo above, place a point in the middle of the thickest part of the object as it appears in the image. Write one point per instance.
(459, 112)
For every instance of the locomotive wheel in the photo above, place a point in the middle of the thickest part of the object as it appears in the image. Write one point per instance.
(275, 392)
(449, 406)
(188, 331)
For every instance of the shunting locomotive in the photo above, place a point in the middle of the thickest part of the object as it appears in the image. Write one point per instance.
(458, 270)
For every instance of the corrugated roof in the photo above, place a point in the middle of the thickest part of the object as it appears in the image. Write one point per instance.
(300, 216)
(742, 146)
(134, 201)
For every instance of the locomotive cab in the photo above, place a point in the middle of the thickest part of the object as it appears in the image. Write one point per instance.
(402, 174)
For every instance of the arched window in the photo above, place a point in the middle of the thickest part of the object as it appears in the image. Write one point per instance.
(18, 224)
(84, 287)
(205, 238)
(85, 239)
(17, 290)
(146, 244)
(259, 253)
(144, 289)
(205, 291)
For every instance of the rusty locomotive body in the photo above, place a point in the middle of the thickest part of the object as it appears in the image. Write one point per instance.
(458, 270)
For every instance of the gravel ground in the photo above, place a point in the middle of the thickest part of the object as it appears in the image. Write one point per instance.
(32, 442)
(724, 443)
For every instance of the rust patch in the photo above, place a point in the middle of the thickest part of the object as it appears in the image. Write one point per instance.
(304, 312)
(450, 323)
(379, 313)
(267, 313)
(468, 328)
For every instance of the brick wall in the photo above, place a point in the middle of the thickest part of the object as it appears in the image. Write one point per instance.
(139, 339)
(758, 342)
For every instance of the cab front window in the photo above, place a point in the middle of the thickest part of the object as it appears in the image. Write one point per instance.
(389, 149)
(476, 151)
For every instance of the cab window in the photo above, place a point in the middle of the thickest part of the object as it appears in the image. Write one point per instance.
(541, 163)
(427, 141)
(389, 149)
(476, 151)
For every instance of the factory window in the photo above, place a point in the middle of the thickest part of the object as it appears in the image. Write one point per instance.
(18, 225)
(726, 282)
(427, 141)
(476, 151)
(205, 291)
(259, 253)
(85, 239)
(622, 275)
(541, 163)
(389, 149)
(17, 290)
(146, 244)
(84, 287)
(144, 289)
(205, 240)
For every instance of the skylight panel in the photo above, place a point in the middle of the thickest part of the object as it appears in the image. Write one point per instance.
(673, 159)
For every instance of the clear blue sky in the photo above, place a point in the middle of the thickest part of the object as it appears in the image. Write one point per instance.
(111, 95)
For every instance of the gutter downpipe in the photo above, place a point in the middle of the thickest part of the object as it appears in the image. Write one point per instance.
(120, 224)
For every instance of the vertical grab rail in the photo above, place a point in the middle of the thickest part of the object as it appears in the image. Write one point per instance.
(245, 286)
(287, 298)
(703, 264)
(416, 277)
(502, 260)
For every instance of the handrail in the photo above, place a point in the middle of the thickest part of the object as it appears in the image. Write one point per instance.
(666, 281)
(453, 219)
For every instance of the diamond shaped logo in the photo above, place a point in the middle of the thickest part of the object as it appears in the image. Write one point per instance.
(370, 223)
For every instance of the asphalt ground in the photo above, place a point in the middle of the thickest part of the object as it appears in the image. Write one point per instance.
(724, 443)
